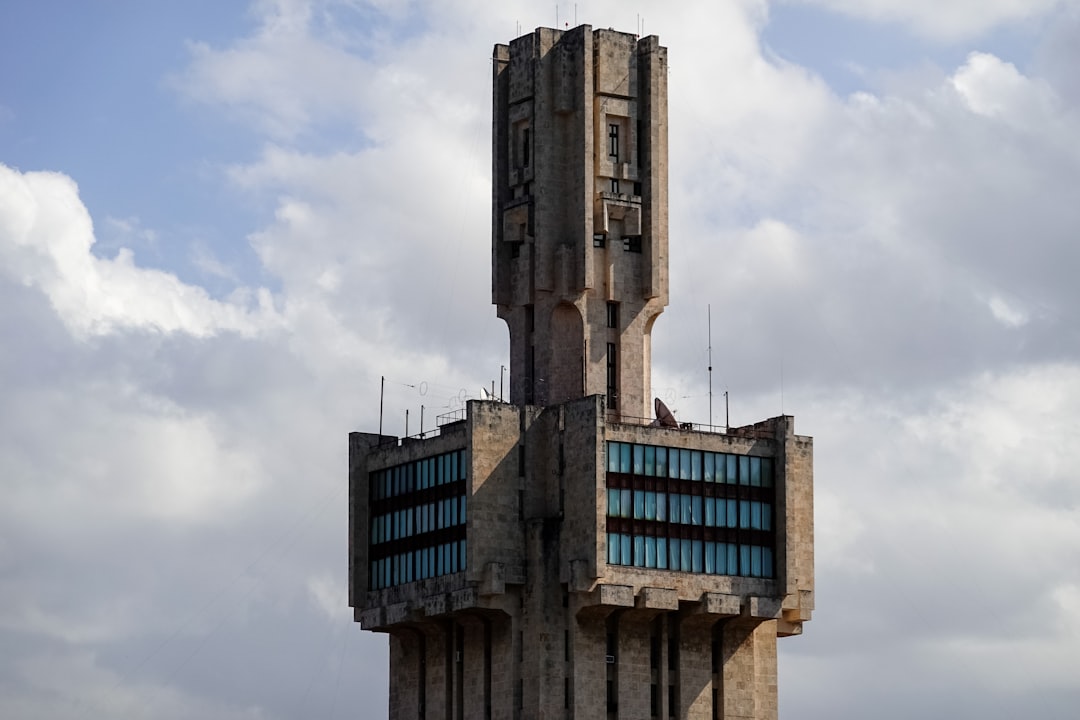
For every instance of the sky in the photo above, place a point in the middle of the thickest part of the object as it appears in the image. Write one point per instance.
(222, 223)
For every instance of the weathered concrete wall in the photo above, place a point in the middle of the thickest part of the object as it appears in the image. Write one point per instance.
(561, 179)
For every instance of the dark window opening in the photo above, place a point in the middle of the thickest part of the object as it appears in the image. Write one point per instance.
(632, 243)
(598, 240)
(613, 314)
(612, 376)
(525, 146)
(613, 140)
(614, 186)
(637, 189)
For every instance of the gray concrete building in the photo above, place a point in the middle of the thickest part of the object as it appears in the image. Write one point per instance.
(564, 555)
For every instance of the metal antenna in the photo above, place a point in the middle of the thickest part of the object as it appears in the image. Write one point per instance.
(781, 384)
(709, 307)
(382, 392)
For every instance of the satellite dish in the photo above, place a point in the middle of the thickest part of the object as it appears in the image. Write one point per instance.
(664, 417)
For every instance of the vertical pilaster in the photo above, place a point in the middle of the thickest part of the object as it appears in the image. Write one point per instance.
(748, 654)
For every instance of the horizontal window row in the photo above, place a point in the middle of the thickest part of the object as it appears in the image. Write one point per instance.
(689, 509)
(421, 564)
(418, 475)
(697, 556)
(418, 520)
(682, 464)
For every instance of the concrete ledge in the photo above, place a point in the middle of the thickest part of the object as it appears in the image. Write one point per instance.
(721, 604)
(788, 629)
(617, 595)
(435, 605)
(462, 599)
(396, 613)
(658, 599)
(371, 619)
(762, 607)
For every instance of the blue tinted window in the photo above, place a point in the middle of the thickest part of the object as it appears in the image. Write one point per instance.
(639, 504)
(767, 472)
(673, 554)
(650, 505)
(650, 460)
(673, 463)
(697, 564)
(732, 473)
(710, 512)
(661, 553)
(613, 548)
(613, 457)
(710, 557)
(744, 513)
(661, 462)
(639, 550)
(755, 471)
(744, 470)
(613, 503)
(639, 459)
(650, 552)
(624, 549)
(695, 509)
(624, 457)
(625, 504)
(674, 506)
(709, 464)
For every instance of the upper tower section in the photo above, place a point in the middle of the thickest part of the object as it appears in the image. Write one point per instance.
(580, 213)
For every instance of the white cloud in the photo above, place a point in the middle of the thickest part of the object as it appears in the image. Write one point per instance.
(45, 240)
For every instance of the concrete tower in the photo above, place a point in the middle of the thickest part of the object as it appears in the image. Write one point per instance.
(579, 213)
(561, 555)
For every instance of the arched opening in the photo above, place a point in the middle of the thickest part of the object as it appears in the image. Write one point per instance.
(567, 375)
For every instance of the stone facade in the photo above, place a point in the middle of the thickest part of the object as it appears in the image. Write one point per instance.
(539, 623)
(579, 213)
(557, 556)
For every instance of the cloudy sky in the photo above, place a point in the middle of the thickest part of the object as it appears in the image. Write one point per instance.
(221, 223)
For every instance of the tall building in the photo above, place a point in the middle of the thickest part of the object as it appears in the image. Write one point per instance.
(564, 555)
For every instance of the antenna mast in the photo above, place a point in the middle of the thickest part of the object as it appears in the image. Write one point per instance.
(382, 392)
(709, 307)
